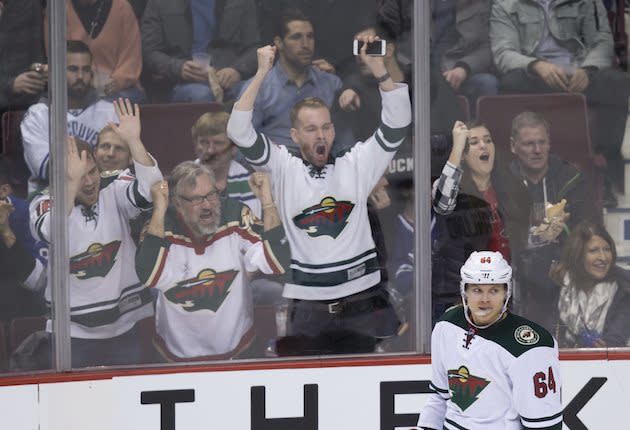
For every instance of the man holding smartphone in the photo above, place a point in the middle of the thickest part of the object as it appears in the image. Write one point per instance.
(338, 303)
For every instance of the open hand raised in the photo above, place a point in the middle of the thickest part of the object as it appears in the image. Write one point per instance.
(128, 128)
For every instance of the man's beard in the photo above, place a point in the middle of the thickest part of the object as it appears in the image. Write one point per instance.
(78, 92)
(204, 229)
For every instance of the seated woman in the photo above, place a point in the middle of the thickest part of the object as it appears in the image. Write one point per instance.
(595, 293)
(479, 206)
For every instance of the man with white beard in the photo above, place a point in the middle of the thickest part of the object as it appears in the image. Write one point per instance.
(200, 252)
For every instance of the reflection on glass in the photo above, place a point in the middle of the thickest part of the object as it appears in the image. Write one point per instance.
(23, 257)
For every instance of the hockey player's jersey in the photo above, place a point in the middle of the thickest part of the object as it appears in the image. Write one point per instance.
(106, 296)
(503, 377)
(205, 305)
(84, 124)
(324, 211)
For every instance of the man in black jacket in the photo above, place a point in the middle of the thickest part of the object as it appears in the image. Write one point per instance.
(549, 180)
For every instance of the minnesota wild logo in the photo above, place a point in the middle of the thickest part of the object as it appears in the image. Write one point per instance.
(328, 218)
(208, 290)
(464, 387)
(96, 261)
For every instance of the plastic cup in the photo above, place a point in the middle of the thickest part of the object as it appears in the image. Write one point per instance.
(202, 59)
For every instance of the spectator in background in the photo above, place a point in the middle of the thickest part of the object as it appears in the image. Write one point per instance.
(594, 293)
(479, 206)
(336, 22)
(87, 115)
(175, 31)
(23, 77)
(544, 47)
(292, 78)
(22, 259)
(216, 151)
(550, 182)
(112, 154)
(358, 106)
(107, 299)
(199, 251)
(460, 46)
(110, 29)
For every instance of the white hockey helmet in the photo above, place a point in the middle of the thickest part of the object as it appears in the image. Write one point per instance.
(485, 267)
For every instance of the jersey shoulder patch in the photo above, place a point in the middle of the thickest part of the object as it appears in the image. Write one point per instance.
(518, 335)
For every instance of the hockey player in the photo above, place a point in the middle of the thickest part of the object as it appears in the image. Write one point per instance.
(199, 254)
(106, 296)
(491, 369)
(86, 116)
(338, 301)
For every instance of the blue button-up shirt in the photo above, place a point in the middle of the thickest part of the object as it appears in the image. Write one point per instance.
(277, 96)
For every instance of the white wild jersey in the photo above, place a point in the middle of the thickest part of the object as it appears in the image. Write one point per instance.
(205, 305)
(106, 296)
(324, 211)
(504, 377)
(84, 124)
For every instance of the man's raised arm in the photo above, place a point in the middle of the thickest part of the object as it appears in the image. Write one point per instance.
(265, 55)
(239, 127)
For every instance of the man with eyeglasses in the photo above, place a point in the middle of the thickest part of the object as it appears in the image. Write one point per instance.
(199, 251)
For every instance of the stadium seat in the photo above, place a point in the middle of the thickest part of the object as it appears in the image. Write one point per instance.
(11, 146)
(463, 101)
(570, 135)
(22, 327)
(166, 130)
(567, 114)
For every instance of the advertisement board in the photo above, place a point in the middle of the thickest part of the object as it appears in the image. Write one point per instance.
(320, 398)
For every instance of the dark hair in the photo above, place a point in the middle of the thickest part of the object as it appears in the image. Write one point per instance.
(572, 259)
(289, 15)
(77, 47)
(529, 119)
(380, 30)
(474, 124)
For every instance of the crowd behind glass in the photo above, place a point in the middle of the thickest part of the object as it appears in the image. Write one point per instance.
(195, 264)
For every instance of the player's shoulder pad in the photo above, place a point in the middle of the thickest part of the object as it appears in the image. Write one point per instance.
(519, 335)
(455, 315)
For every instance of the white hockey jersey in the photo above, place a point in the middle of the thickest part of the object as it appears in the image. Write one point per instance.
(324, 211)
(205, 306)
(503, 377)
(82, 123)
(106, 296)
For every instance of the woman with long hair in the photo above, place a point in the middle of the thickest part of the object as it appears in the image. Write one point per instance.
(595, 293)
(479, 205)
